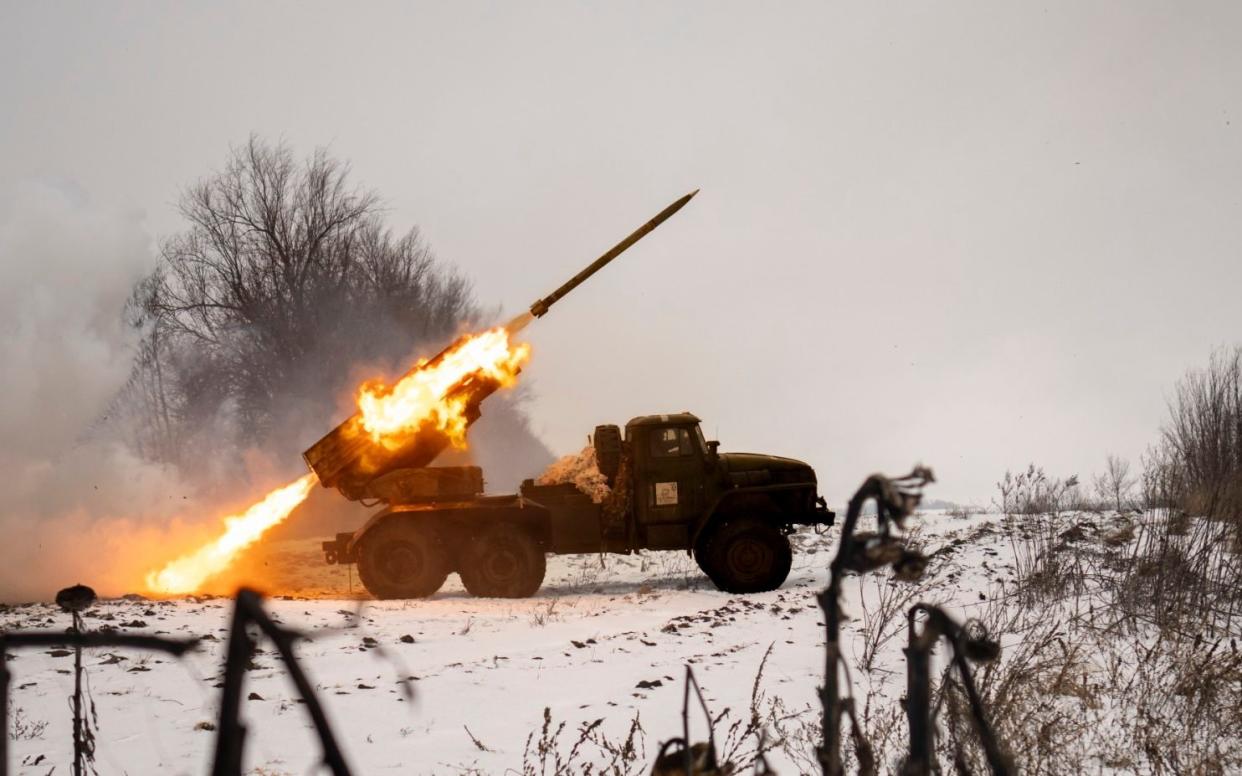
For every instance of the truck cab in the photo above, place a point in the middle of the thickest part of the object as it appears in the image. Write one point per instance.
(675, 476)
(688, 495)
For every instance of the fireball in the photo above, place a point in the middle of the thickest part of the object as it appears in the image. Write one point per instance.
(390, 415)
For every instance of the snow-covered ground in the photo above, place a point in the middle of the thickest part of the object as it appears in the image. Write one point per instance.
(603, 639)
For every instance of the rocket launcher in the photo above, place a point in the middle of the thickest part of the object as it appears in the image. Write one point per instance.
(348, 459)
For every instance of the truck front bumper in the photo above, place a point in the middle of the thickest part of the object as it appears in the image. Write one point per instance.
(826, 515)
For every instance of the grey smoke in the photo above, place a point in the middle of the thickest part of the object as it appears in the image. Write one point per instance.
(74, 497)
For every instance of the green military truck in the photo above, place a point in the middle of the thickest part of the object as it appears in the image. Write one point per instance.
(669, 489)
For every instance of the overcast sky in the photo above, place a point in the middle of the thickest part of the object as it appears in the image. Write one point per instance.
(973, 235)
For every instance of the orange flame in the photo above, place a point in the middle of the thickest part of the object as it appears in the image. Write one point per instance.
(187, 573)
(390, 416)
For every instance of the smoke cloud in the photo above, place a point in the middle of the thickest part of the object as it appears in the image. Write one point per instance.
(76, 505)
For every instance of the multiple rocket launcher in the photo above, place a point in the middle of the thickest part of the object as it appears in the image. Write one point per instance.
(347, 459)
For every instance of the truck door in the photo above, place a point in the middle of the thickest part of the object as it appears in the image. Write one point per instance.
(670, 490)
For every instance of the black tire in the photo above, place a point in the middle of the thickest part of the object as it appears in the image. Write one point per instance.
(402, 559)
(745, 555)
(503, 561)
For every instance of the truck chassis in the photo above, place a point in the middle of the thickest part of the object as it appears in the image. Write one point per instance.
(670, 490)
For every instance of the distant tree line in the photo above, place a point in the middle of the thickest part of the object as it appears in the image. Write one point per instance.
(1195, 466)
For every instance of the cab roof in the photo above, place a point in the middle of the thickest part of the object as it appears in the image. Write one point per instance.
(661, 420)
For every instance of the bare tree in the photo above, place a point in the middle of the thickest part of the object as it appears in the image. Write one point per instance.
(1203, 437)
(1115, 485)
(285, 278)
(1161, 479)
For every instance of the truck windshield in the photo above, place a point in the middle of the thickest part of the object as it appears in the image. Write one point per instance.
(671, 442)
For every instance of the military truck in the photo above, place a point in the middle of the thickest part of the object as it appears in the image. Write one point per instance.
(669, 489)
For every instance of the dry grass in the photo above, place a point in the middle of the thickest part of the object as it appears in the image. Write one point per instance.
(884, 614)
(1121, 649)
(588, 751)
(23, 728)
(1034, 697)
(744, 741)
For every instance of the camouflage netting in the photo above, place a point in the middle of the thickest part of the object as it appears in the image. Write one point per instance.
(579, 469)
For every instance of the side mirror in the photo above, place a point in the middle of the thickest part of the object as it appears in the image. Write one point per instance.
(712, 449)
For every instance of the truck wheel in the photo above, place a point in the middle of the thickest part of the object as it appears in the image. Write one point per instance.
(503, 561)
(401, 559)
(746, 555)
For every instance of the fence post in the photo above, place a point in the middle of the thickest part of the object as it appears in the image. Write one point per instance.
(918, 699)
(969, 644)
(230, 732)
(895, 500)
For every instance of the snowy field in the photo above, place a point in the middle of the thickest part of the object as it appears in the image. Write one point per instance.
(606, 642)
